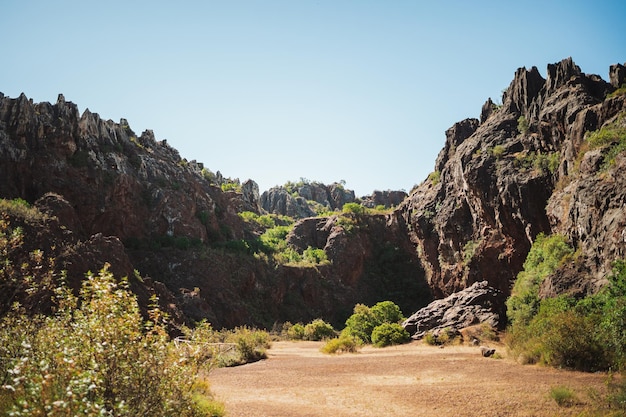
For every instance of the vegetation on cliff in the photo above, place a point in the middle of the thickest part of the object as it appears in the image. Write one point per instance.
(587, 333)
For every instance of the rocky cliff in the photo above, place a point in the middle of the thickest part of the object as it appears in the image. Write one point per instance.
(307, 199)
(526, 166)
(133, 202)
(503, 179)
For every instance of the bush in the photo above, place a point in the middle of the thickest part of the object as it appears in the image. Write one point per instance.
(387, 312)
(435, 177)
(563, 396)
(388, 334)
(362, 322)
(342, 344)
(522, 125)
(545, 255)
(587, 334)
(497, 151)
(251, 344)
(612, 136)
(95, 356)
(315, 256)
(318, 330)
(296, 332)
(354, 208)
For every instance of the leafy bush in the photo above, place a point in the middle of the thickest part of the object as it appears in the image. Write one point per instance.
(469, 250)
(341, 344)
(388, 334)
(522, 125)
(354, 208)
(95, 356)
(265, 220)
(545, 255)
(387, 312)
(365, 319)
(497, 151)
(296, 332)
(430, 339)
(435, 177)
(442, 337)
(318, 330)
(315, 256)
(563, 396)
(361, 323)
(251, 344)
(612, 136)
(587, 334)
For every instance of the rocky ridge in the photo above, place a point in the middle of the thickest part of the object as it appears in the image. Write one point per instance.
(521, 169)
(475, 221)
(133, 202)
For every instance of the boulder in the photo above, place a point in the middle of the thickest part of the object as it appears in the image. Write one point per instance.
(476, 304)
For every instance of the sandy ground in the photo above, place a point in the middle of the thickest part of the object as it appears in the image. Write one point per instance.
(408, 380)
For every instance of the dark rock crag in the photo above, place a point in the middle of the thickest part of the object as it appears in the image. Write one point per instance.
(132, 202)
(476, 218)
(519, 170)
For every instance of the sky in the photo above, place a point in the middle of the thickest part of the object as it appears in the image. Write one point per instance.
(359, 91)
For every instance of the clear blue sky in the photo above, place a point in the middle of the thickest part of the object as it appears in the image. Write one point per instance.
(328, 90)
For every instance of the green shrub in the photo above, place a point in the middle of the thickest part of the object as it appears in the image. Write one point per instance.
(469, 250)
(545, 255)
(251, 344)
(296, 332)
(315, 256)
(563, 396)
(445, 336)
(522, 125)
(342, 344)
(96, 356)
(354, 208)
(587, 334)
(497, 151)
(613, 137)
(387, 312)
(318, 330)
(361, 323)
(435, 177)
(388, 334)
(364, 319)
(430, 339)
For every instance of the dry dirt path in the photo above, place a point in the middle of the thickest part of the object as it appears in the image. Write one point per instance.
(409, 380)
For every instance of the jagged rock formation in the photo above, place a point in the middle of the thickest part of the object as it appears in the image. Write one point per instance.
(522, 168)
(119, 184)
(386, 199)
(180, 230)
(477, 217)
(479, 303)
(299, 200)
(306, 198)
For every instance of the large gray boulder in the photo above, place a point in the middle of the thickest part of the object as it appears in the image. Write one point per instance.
(476, 304)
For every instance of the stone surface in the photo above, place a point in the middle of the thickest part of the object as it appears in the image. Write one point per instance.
(476, 304)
